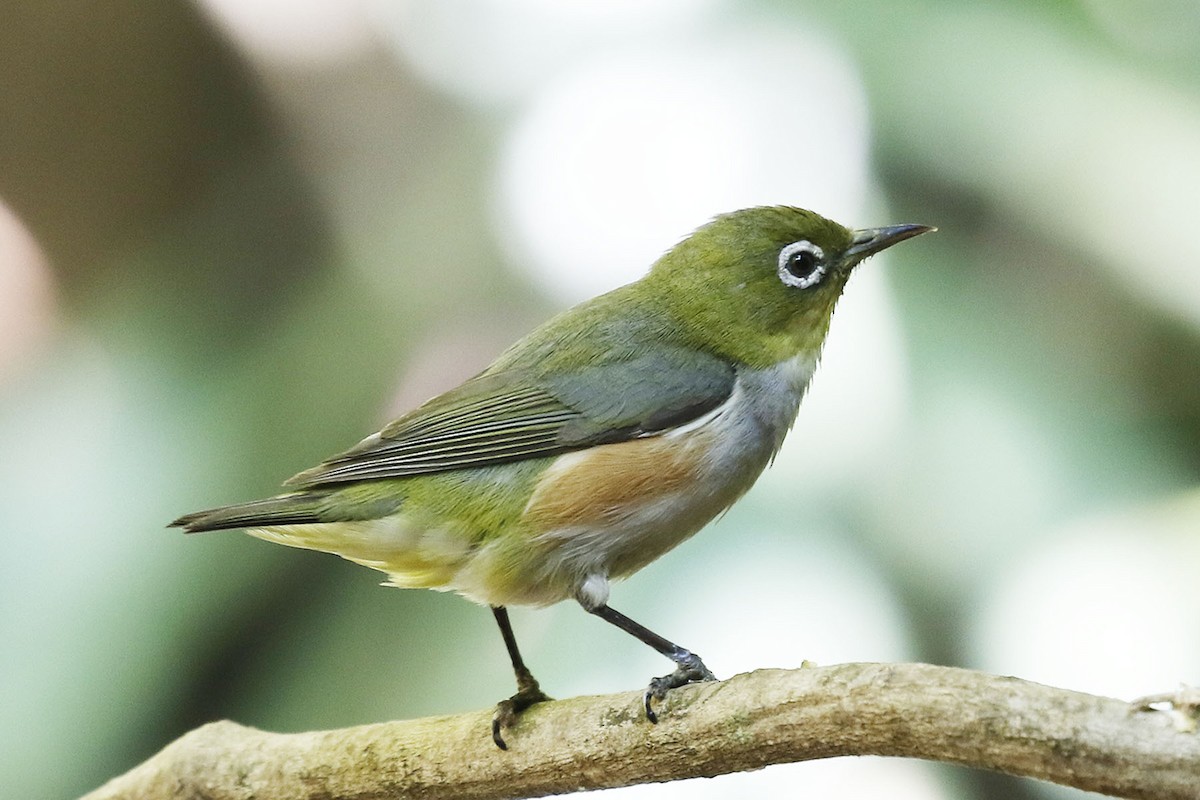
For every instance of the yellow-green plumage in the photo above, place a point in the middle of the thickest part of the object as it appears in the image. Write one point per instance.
(596, 443)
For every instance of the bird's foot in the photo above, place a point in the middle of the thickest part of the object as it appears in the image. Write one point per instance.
(690, 670)
(507, 711)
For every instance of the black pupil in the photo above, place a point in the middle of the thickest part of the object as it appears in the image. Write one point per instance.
(802, 263)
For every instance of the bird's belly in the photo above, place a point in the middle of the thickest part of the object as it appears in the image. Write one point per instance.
(575, 557)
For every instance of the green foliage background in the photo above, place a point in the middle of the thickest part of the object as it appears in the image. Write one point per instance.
(220, 323)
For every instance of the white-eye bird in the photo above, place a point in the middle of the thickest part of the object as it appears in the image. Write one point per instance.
(596, 443)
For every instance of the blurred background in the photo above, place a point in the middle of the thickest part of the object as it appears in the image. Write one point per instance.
(238, 235)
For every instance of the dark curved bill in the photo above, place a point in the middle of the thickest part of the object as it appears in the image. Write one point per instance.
(869, 241)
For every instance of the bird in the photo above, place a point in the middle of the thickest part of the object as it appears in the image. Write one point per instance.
(596, 443)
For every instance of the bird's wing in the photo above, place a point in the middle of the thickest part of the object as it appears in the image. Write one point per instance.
(516, 414)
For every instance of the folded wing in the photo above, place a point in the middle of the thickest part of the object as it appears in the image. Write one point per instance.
(518, 414)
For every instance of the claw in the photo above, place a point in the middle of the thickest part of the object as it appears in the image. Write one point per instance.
(504, 717)
(691, 670)
(646, 698)
(528, 691)
(508, 710)
(689, 667)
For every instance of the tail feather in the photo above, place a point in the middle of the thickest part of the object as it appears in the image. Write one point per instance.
(288, 509)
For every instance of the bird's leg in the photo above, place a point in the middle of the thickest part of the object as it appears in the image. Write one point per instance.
(528, 691)
(689, 669)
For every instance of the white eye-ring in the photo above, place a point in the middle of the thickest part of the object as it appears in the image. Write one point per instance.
(801, 264)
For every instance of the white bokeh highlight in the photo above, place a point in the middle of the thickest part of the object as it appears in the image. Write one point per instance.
(1109, 607)
(495, 52)
(617, 161)
(293, 32)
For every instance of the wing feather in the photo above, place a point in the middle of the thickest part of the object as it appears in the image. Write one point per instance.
(512, 415)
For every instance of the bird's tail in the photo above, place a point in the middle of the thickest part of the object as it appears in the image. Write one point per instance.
(297, 508)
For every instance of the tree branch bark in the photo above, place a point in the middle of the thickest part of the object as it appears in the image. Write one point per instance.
(748, 722)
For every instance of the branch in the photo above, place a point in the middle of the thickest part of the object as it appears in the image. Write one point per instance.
(752, 720)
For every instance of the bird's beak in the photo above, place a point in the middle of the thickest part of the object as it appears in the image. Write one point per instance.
(869, 241)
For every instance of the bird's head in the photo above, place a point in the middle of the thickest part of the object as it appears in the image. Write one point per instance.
(759, 285)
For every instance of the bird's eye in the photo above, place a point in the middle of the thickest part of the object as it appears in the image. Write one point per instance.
(801, 264)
